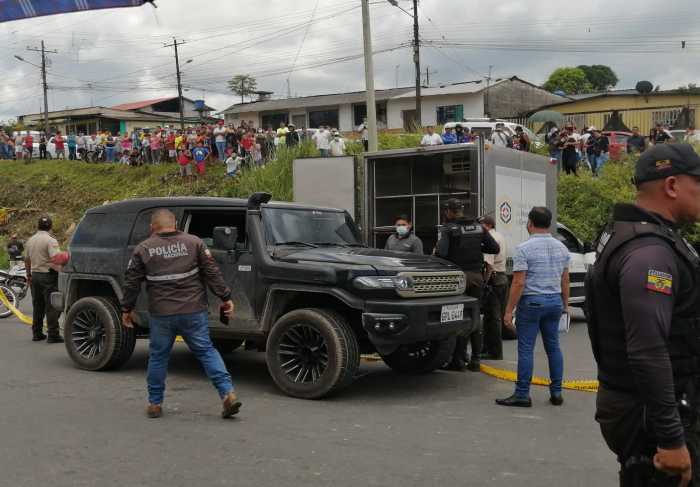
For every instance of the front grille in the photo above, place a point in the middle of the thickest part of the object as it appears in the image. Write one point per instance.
(433, 284)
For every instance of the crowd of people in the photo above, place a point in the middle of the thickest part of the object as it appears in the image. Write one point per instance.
(460, 134)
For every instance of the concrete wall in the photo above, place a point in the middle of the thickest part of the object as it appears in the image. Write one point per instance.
(237, 118)
(473, 107)
(514, 98)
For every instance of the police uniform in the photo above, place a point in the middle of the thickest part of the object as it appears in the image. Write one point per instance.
(464, 243)
(643, 305)
(41, 248)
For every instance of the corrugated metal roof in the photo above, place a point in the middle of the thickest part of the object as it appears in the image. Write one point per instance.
(141, 104)
(466, 88)
(312, 101)
(101, 112)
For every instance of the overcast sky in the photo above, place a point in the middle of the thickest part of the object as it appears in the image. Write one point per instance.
(114, 56)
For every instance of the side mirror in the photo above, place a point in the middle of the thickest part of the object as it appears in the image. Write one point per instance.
(587, 247)
(225, 238)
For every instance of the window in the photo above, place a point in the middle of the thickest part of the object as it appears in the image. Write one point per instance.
(273, 120)
(309, 226)
(359, 112)
(202, 224)
(323, 117)
(450, 113)
(409, 120)
(670, 117)
(100, 230)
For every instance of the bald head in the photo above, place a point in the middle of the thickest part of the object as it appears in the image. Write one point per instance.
(163, 221)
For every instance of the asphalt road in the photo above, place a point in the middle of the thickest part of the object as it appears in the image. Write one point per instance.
(60, 426)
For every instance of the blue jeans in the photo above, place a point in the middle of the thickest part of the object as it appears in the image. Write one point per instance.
(194, 329)
(539, 313)
(601, 160)
(110, 154)
(3, 151)
(221, 150)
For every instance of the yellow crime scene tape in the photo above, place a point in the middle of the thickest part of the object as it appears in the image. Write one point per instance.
(509, 375)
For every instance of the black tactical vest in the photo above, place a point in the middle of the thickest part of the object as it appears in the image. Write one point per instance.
(465, 245)
(604, 314)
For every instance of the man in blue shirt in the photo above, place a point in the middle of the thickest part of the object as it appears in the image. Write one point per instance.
(449, 136)
(200, 154)
(540, 290)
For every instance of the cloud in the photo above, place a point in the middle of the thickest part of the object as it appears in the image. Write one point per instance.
(115, 56)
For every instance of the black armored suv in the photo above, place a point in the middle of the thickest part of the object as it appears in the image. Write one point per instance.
(307, 292)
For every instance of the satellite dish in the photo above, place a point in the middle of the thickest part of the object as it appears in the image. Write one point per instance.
(644, 87)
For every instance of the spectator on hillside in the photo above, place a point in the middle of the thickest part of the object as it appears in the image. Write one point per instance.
(156, 148)
(184, 160)
(109, 146)
(170, 151)
(79, 144)
(233, 165)
(200, 155)
(220, 140)
(462, 134)
(636, 144)
(42, 147)
(19, 144)
(146, 147)
(521, 141)
(364, 134)
(337, 144)
(691, 136)
(660, 135)
(449, 137)
(126, 145)
(569, 155)
(600, 150)
(15, 249)
(431, 138)
(292, 139)
(3, 145)
(322, 138)
(28, 145)
(282, 134)
(72, 147)
(500, 138)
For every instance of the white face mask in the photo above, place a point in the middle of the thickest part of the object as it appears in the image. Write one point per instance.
(402, 230)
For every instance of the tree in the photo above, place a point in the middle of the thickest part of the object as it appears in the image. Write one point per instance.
(243, 85)
(600, 77)
(571, 81)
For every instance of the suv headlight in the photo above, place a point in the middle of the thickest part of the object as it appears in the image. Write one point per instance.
(383, 282)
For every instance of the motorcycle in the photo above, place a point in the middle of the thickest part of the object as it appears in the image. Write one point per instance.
(11, 298)
(16, 280)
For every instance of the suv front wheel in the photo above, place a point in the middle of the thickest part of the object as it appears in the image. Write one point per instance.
(95, 337)
(312, 353)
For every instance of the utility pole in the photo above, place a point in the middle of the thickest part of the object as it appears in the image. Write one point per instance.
(179, 82)
(369, 79)
(43, 52)
(488, 93)
(416, 61)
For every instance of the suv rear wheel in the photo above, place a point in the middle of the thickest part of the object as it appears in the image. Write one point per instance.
(312, 353)
(95, 337)
(420, 358)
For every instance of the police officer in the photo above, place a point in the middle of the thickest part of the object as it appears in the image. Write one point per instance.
(643, 310)
(176, 267)
(42, 248)
(464, 243)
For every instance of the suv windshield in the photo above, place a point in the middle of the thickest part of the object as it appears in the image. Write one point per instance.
(298, 226)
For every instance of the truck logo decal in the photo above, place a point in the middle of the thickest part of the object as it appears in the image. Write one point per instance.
(505, 212)
(245, 268)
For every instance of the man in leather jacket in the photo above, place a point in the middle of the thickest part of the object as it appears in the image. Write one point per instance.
(643, 309)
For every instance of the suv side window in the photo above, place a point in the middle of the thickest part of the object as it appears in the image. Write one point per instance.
(202, 223)
(142, 227)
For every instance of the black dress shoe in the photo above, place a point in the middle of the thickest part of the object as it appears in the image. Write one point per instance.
(56, 339)
(556, 400)
(515, 401)
(474, 366)
(39, 338)
(455, 366)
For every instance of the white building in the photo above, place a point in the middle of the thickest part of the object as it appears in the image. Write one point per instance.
(504, 98)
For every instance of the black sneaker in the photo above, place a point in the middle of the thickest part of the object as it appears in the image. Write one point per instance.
(55, 339)
(39, 338)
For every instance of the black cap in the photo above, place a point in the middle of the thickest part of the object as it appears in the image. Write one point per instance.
(664, 160)
(45, 223)
(454, 204)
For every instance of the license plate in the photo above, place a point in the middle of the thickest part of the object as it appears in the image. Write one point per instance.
(452, 312)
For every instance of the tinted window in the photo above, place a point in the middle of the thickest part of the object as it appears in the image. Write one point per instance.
(142, 228)
(202, 224)
(100, 230)
(310, 226)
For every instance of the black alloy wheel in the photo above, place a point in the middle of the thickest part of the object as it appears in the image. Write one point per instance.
(87, 334)
(303, 353)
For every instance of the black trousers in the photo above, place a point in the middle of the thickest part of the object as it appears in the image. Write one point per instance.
(622, 423)
(43, 284)
(494, 308)
(475, 284)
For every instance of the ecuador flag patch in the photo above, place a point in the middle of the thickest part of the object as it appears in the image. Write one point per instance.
(660, 282)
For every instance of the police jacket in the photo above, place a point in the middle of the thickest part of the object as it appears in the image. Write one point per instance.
(177, 267)
(642, 301)
(464, 243)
